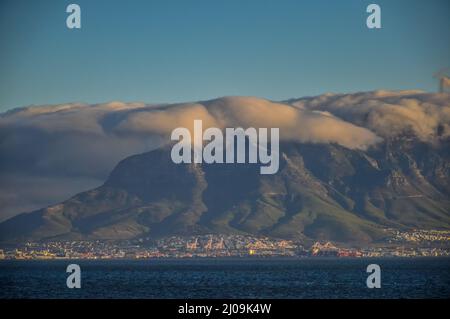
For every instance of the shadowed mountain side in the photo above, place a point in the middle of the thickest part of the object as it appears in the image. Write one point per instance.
(322, 191)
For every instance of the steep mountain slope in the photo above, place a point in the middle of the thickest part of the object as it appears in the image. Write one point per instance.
(322, 191)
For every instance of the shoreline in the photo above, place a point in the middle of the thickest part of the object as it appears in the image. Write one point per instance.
(230, 258)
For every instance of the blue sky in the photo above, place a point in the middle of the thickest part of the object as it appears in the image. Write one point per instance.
(185, 50)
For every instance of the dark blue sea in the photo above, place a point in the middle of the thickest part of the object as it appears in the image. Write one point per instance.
(228, 278)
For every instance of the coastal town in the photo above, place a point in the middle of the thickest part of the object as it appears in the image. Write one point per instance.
(414, 243)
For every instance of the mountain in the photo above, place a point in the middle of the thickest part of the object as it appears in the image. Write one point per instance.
(321, 192)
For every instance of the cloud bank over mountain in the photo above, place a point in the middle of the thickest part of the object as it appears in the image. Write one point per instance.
(67, 148)
(388, 114)
(295, 124)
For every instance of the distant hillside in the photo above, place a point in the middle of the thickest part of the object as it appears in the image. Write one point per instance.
(322, 191)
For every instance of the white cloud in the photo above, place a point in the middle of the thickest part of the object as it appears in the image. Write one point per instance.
(295, 124)
(389, 114)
